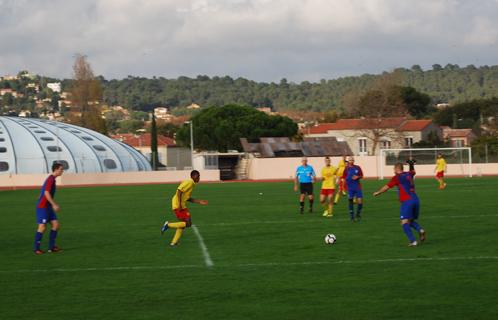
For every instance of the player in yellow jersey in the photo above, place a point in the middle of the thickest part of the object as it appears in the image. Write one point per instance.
(440, 169)
(342, 182)
(329, 180)
(179, 204)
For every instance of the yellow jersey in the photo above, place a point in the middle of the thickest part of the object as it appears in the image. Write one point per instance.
(341, 167)
(186, 187)
(328, 177)
(440, 165)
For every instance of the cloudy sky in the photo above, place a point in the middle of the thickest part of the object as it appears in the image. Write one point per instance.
(263, 40)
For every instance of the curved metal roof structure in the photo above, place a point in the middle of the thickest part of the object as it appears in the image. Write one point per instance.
(30, 145)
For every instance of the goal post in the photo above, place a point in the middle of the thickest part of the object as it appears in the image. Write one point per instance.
(461, 156)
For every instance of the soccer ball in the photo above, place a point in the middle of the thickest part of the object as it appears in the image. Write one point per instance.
(330, 239)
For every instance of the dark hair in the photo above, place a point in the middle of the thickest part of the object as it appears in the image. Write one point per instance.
(56, 165)
(399, 165)
(194, 173)
(327, 158)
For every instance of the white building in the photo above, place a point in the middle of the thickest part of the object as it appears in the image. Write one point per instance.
(55, 86)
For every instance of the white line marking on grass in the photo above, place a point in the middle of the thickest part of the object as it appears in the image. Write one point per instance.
(128, 268)
(205, 252)
(255, 265)
(229, 224)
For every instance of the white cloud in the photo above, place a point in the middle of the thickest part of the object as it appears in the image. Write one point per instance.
(259, 39)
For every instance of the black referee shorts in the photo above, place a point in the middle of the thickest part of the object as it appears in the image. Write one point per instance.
(306, 188)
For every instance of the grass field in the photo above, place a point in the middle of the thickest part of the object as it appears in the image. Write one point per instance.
(269, 262)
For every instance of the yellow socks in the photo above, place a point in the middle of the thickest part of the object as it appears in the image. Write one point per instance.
(179, 226)
(177, 236)
(337, 196)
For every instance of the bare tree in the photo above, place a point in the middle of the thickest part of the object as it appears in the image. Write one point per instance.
(86, 96)
(380, 109)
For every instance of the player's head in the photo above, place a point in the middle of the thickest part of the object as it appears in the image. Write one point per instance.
(57, 169)
(439, 155)
(327, 160)
(351, 160)
(304, 161)
(398, 168)
(195, 175)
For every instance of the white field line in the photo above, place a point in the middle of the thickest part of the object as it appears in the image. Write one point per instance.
(205, 252)
(228, 224)
(253, 265)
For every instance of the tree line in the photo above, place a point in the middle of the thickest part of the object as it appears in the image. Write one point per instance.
(450, 83)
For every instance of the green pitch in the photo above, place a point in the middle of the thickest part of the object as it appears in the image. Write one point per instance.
(269, 262)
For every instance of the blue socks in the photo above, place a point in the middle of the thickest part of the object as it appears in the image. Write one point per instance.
(351, 208)
(408, 232)
(415, 226)
(51, 241)
(38, 238)
(358, 210)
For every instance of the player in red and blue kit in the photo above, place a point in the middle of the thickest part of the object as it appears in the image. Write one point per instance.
(352, 174)
(46, 208)
(410, 204)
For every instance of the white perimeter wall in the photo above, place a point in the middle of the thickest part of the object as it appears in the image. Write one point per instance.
(285, 168)
(74, 179)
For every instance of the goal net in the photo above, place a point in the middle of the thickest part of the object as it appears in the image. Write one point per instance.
(458, 160)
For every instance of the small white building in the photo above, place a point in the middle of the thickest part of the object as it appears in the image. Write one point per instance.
(55, 86)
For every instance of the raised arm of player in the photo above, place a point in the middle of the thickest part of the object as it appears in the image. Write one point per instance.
(394, 181)
(381, 190)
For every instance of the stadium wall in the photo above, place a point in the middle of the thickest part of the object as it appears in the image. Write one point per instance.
(284, 168)
(115, 178)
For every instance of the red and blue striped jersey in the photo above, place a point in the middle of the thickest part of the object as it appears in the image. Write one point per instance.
(348, 174)
(48, 185)
(406, 185)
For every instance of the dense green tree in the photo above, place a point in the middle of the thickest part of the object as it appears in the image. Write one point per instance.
(154, 159)
(167, 129)
(220, 128)
(130, 126)
(471, 114)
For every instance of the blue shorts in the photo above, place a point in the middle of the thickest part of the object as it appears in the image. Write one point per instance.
(356, 193)
(45, 215)
(409, 209)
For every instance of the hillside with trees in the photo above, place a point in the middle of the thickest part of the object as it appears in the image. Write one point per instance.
(450, 83)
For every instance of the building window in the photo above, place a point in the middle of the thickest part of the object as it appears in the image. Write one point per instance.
(3, 149)
(2, 139)
(408, 142)
(362, 145)
(110, 164)
(64, 163)
(40, 131)
(87, 138)
(385, 144)
(211, 162)
(75, 131)
(4, 166)
(458, 143)
(47, 139)
(98, 147)
(54, 149)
